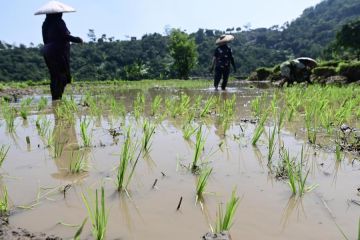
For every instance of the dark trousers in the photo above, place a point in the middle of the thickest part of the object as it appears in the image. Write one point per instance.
(221, 72)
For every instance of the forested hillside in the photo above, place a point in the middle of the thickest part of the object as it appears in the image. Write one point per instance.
(104, 58)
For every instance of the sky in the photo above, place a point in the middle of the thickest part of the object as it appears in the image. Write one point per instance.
(124, 18)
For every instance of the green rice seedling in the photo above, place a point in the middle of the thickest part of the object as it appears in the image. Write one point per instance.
(255, 106)
(85, 136)
(42, 125)
(271, 144)
(78, 163)
(117, 108)
(184, 105)
(148, 132)
(25, 107)
(259, 129)
(4, 202)
(281, 118)
(126, 158)
(225, 221)
(155, 105)
(291, 171)
(208, 105)
(201, 183)
(188, 131)
(338, 153)
(98, 214)
(3, 153)
(199, 147)
(57, 146)
(79, 231)
(42, 104)
(9, 114)
(139, 105)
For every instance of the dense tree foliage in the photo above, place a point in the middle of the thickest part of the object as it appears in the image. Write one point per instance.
(183, 51)
(104, 58)
(348, 38)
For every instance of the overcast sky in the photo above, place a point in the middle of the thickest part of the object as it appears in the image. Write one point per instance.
(122, 18)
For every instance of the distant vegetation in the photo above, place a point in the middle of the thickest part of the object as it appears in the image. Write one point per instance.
(105, 58)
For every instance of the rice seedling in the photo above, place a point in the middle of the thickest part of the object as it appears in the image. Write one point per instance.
(281, 118)
(57, 147)
(225, 221)
(78, 163)
(42, 125)
(79, 231)
(98, 214)
(126, 158)
(271, 144)
(199, 147)
(188, 130)
(85, 136)
(155, 105)
(259, 129)
(4, 202)
(201, 183)
(3, 153)
(9, 114)
(297, 179)
(24, 107)
(338, 154)
(208, 105)
(148, 132)
(139, 105)
(117, 108)
(255, 106)
(42, 104)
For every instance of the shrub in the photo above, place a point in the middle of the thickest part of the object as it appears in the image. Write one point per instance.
(350, 70)
(324, 71)
(332, 63)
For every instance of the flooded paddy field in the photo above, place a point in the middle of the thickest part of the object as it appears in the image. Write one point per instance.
(291, 160)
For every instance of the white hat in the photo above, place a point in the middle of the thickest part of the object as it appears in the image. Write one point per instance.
(54, 7)
(224, 39)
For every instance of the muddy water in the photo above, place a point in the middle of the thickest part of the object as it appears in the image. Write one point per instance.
(267, 209)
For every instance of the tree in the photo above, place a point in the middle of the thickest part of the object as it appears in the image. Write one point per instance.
(183, 51)
(349, 37)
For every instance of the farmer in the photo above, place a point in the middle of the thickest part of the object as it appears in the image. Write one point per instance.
(297, 70)
(56, 49)
(221, 61)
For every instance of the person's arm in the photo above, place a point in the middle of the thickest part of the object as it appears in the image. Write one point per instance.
(211, 69)
(66, 34)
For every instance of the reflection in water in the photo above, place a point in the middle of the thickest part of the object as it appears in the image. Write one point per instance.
(66, 148)
(294, 204)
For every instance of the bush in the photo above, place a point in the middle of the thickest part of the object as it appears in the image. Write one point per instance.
(350, 70)
(332, 63)
(324, 71)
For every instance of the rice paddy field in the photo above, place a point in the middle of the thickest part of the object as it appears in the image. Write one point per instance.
(177, 160)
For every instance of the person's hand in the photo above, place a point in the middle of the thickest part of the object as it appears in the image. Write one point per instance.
(79, 39)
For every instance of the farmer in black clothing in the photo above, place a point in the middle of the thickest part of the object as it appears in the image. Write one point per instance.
(222, 60)
(56, 49)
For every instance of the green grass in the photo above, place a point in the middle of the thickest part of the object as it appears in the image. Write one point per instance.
(224, 221)
(98, 214)
(202, 183)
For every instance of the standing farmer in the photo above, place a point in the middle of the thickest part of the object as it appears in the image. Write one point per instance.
(56, 49)
(222, 59)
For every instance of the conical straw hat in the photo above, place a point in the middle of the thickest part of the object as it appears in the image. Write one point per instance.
(224, 39)
(54, 7)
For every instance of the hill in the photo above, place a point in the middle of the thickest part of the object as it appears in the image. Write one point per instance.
(106, 58)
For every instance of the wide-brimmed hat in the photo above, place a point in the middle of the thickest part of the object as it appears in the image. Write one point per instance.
(53, 7)
(308, 61)
(224, 39)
